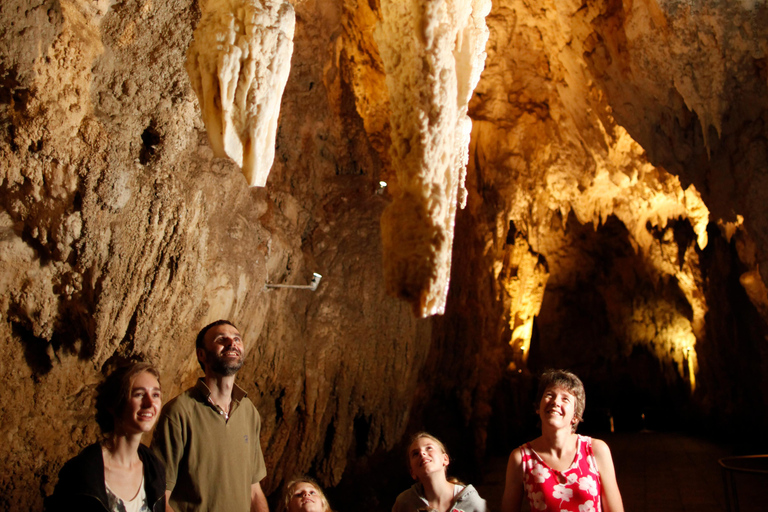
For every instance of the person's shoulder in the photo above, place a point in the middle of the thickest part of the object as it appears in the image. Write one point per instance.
(403, 503)
(599, 449)
(247, 402)
(148, 456)
(471, 499)
(77, 469)
(247, 405)
(599, 446)
(408, 496)
(515, 463)
(517, 454)
(469, 490)
(184, 400)
(150, 459)
(86, 457)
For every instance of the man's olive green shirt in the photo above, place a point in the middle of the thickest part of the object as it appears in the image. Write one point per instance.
(210, 462)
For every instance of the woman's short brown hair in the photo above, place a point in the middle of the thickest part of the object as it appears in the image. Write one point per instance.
(569, 382)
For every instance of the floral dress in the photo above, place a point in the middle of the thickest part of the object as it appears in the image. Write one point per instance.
(577, 489)
(137, 504)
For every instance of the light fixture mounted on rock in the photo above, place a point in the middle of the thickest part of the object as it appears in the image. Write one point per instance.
(311, 286)
(238, 64)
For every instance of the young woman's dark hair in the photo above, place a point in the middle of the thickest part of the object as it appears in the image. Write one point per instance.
(113, 394)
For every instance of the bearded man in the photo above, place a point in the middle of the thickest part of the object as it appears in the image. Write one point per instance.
(208, 437)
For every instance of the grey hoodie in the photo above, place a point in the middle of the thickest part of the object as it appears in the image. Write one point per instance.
(413, 500)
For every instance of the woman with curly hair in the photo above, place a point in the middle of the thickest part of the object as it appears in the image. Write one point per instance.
(561, 470)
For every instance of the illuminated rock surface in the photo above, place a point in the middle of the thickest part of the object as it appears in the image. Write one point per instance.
(433, 53)
(615, 223)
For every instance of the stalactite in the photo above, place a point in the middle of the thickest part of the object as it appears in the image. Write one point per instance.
(238, 65)
(433, 54)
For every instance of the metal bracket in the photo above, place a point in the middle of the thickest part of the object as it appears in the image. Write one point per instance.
(311, 286)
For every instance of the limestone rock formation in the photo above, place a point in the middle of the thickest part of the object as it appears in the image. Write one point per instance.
(238, 64)
(433, 53)
(523, 276)
(614, 224)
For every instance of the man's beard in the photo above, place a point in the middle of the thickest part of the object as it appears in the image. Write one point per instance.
(221, 366)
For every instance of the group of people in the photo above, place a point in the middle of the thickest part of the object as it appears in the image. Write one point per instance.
(206, 454)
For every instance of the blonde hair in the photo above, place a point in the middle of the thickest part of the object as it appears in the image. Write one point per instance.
(420, 435)
(427, 435)
(291, 488)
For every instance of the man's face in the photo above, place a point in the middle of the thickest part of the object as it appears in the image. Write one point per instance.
(223, 350)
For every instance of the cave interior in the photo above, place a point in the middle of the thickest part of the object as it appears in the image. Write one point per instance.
(488, 191)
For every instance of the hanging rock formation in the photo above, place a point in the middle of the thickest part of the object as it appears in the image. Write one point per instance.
(238, 64)
(433, 53)
(615, 216)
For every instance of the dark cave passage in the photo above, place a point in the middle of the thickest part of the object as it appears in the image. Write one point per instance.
(666, 438)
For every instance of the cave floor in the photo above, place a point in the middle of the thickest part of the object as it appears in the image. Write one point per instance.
(659, 472)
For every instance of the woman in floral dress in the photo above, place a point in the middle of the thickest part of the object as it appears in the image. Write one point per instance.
(561, 471)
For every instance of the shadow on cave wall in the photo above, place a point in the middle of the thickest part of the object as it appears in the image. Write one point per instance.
(625, 382)
(733, 359)
(71, 336)
(625, 385)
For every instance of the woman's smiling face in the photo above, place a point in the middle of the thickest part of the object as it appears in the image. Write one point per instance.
(557, 407)
(144, 403)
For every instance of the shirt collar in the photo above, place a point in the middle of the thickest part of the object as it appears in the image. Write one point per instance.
(238, 393)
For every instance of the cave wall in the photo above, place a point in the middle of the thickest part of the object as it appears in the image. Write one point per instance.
(123, 235)
(615, 198)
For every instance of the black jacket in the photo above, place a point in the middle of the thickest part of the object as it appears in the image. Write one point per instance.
(81, 483)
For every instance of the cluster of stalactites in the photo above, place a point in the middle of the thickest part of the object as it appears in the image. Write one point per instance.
(433, 53)
(523, 275)
(238, 64)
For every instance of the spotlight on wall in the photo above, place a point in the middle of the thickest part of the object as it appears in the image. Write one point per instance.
(311, 286)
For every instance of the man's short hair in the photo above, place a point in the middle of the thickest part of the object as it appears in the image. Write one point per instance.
(200, 340)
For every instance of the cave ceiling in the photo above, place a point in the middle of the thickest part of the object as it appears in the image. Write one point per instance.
(591, 153)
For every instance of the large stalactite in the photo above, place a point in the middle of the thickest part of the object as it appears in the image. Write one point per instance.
(433, 53)
(238, 65)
